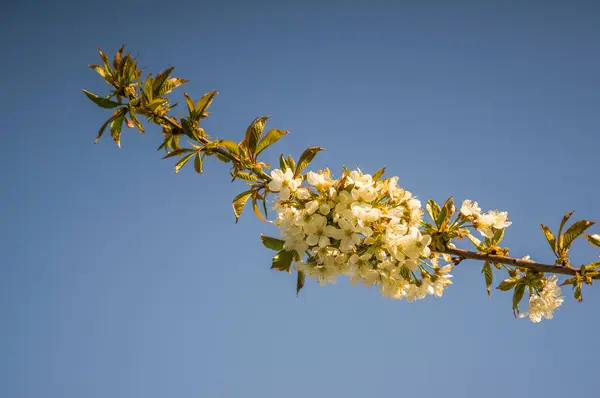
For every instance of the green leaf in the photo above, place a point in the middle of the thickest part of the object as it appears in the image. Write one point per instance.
(378, 174)
(99, 70)
(231, 146)
(283, 260)
(564, 222)
(433, 209)
(115, 128)
(476, 242)
(265, 208)
(182, 162)
(498, 236)
(405, 273)
(269, 139)
(117, 59)
(198, 163)
(136, 121)
(594, 240)
(161, 78)
(272, 243)
(204, 103)
(128, 69)
(242, 175)
(507, 284)
(593, 266)
(190, 104)
(239, 202)
(173, 141)
(442, 218)
(290, 162)
(106, 123)
(101, 102)
(489, 276)
(549, 237)
(148, 90)
(518, 296)
(283, 163)
(169, 85)
(574, 231)
(577, 293)
(449, 206)
(299, 282)
(257, 209)
(178, 152)
(187, 127)
(222, 158)
(253, 134)
(306, 157)
(105, 61)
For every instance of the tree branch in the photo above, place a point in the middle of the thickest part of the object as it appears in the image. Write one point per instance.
(518, 262)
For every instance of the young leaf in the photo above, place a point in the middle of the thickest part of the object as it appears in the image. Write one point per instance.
(518, 296)
(190, 104)
(128, 73)
(198, 163)
(299, 282)
(577, 293)
(476, 242)
(489, 276)
(442, 218)
(283, 260)
(117, 59)
(254, 132)
(257, 210)
(290, 162)
(498, 236)
(239, 202)
(272, 243)
(378, 174)
(449, 205)
(169, 85)
(433, 209)
(231, 146)
(161, 78)
(99, 70)
(101, 102)
(306, 157)
(549, 237)
(105, 61)
(148, 90)
(283, 163)
(574, 231)
(182, 162)
(204, 102)
(178, 152)
(136, 121)
(594, 240)
(564, 222)
(507, 284)
(269, 139)
(105, 124)
(242, 175)
(115, 128)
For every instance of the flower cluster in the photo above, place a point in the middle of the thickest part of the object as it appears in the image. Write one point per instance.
(543, 304)
(359, 226)
(484, 223)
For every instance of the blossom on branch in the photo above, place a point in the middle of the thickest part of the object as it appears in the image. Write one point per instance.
(358, 227)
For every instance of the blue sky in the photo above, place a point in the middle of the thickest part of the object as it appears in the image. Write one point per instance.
(119, 278)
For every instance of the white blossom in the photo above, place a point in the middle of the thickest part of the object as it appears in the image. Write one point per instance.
(543, 305)
(284, 183)
(367, 230)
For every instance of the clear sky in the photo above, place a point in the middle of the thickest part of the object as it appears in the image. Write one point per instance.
(119, 278)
